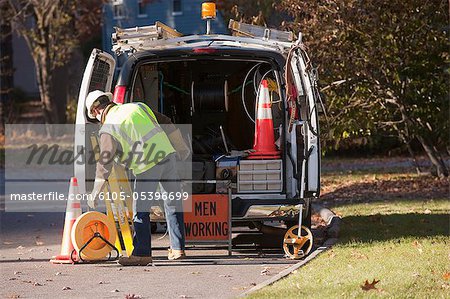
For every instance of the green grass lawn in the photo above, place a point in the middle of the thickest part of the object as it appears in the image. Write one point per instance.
(404, 244)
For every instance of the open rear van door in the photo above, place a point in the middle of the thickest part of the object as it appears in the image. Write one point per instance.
(98, 74)
(310, 128)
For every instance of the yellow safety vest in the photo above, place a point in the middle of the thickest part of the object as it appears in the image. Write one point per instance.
(144, 143)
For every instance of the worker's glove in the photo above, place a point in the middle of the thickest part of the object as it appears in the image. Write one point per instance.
(93, 198)
(179, 144)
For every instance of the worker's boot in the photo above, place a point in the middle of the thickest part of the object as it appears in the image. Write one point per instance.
(134, 260)
(176, 254)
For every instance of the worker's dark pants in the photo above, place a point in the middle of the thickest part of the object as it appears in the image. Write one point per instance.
(165, 173)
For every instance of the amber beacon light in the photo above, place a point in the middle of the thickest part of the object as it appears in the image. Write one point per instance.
(208, 13)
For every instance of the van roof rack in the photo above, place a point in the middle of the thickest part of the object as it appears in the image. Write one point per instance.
(259, 32)
(129, 39)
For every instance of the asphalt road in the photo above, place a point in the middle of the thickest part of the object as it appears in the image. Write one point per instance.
(28, 240)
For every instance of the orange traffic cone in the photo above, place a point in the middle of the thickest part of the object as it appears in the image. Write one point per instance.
(73, 210)
(264, 144)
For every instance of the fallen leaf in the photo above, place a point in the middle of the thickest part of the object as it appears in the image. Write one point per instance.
(196, 272)
(66, 288)
(265, 271)
(358, 255)
(446, 275)
(369, 286)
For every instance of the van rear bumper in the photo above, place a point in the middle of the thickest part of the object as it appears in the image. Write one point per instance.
(255, 207)
(260, 206)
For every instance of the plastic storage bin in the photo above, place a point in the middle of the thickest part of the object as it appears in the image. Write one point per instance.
(257, 176)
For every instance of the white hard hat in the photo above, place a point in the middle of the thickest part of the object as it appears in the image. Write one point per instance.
(92, 100)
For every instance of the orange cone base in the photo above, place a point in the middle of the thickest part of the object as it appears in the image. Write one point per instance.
(61, 259)
(264, 155)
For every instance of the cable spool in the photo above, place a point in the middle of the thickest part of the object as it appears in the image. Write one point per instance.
(209, 96)
(91, 233)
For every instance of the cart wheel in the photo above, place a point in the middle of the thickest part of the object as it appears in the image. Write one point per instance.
(297, 247)
(85, 232)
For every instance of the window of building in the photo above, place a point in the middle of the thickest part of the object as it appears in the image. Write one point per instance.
(118, 9)
(142, 4)
(177, 8)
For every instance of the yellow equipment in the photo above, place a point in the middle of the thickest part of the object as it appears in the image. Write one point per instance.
(94, 233)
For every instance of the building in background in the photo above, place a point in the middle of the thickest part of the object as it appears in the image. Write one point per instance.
(24, 70)
(183, 15)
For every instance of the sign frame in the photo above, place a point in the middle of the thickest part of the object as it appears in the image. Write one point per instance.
(228, 241)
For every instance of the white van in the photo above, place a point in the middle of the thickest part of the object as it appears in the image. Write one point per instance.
(212, 82)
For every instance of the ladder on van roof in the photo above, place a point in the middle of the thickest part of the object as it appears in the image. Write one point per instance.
(259, 32)
(126, 39)
(146, 37)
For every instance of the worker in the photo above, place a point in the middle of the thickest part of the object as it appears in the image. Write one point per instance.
(131, 131)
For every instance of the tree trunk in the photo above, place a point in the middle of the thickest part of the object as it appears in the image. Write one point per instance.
(413, 156)
(430, 150)
(406, 139)
(59, 92)
(6, 65)
(434, 157)
(44, 79)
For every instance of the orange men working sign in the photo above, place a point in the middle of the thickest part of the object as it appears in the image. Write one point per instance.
(208, 219)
